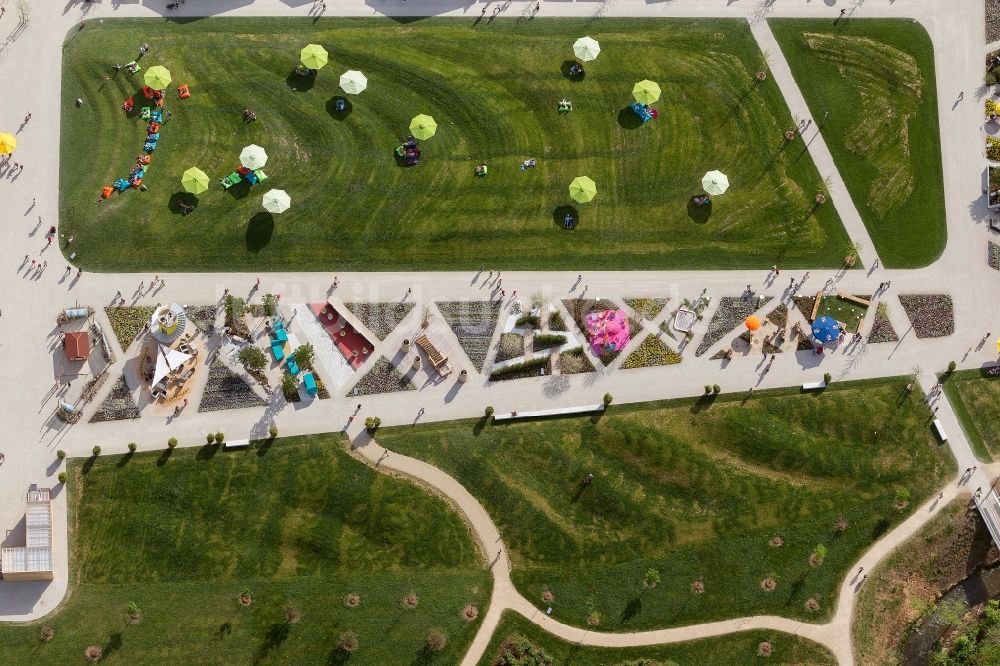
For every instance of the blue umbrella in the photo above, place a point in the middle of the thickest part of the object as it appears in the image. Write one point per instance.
(826, 329)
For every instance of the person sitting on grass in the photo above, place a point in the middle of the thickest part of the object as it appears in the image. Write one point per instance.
(565, 106)
(702, 200)
(528, 163)
(481, 169)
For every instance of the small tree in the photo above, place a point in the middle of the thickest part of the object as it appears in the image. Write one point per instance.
(252, 358)
(708, 389)
(289, 386)
(133, 612)
(304, 356)
(348, 642)
(172, 442)
(951, 366)
(293, 614)
(716, 389)
(273, 431)
(96, 450)
(608, 399)
(210, 437)
(235, 306)
(436, 640)
(902, 499)
(489, 411)
(270, 305)
(651, 579)
(220, 437)
(93, 653)
(827, 378)
(818, 555)
(61, 454)
(245, 598)
(46, 634)
(62, 477)
(372, 423)
(132, 446)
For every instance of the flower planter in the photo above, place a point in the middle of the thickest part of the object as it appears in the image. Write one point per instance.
(463, 376)
(416, 363)
(406, 345)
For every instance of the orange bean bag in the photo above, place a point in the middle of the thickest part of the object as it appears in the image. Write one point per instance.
(184, 91)
(106, 192)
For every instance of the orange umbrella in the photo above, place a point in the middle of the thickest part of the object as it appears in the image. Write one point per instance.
(752, 322)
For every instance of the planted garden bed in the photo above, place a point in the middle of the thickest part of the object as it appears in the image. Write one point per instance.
(882, 329)
(779, 316)
(647, 308)
(511, 345)
(118, 406)
(932, 315)
(651, 352)
(382, 378)
(535, 367)
(128, 322)
(805, 304)
(473, 323)
(574, 362)
(732, 311)
(556, 322)
(541, 341)
(227, 390)
(380, 318)
(202, 316)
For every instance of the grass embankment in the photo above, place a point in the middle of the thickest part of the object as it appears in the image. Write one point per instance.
(870, 85)
(740, 649)
(696, 489)
(976, 401)
(300, 524)
(494, 92)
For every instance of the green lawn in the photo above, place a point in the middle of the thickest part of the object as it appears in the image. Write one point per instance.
(848, 312)
(695, 489)
(870, 85)
(300, 522)
(976, 401)
(494, 93)
(738, 649)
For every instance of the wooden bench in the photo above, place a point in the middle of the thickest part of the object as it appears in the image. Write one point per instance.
(813, 386)
(853, 299)
(439, 362)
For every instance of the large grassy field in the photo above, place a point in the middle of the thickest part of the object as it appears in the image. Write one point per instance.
(976, 401)
(870, 85)
(695, 490)
(298, 523)
(738, 649)
(494, 93)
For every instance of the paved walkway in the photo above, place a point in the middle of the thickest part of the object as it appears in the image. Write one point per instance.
(30, 301)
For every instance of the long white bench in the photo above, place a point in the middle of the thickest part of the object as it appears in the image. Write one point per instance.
(940, 430)
(237, 444)
(813, 386)
(564, 411)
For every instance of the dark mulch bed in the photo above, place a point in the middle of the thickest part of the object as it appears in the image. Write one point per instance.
(932, 315)
(119, 404)
(382, 378)
(227, 390)
(202, 316)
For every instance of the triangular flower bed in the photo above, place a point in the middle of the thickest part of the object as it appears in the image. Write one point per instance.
(732, 311)
(651, 352)
(202, 316)
(882, 329)
(932, 315)
(119, 404)
(227, 390)
(382, 378)
(473, 323)
(579, 308)
(647, 308)
(380, 318)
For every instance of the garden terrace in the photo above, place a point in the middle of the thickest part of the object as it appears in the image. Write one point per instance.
(494, 96)
(298, 522)
(870, 85)
(697, 489)
(517, 636)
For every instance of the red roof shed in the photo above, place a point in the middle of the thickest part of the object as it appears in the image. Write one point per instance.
(77, 345)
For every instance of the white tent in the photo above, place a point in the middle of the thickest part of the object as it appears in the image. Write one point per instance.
(167, 360)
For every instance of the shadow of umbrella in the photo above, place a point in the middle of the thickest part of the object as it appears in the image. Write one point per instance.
(627, 119)
(300, 82)
(259, 231)
(331, 107)
(559, 217)
(699, 213)
(565, 67)
(178, 200)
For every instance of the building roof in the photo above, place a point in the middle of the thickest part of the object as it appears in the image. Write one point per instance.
(77, 345)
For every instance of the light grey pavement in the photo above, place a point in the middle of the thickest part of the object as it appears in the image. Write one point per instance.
(29, 303)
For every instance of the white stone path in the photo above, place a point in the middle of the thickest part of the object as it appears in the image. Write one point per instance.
(30, 65)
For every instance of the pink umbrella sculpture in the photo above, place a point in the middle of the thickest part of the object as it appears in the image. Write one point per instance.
(607, 331)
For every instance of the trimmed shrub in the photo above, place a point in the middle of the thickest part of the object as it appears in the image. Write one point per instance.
(608, 399)
(172, 442)
(220, 437)
(97, 451)
(61, 454)
(62, 477)
(132, 446)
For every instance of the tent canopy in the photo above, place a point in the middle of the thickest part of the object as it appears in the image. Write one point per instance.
(167, 360)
